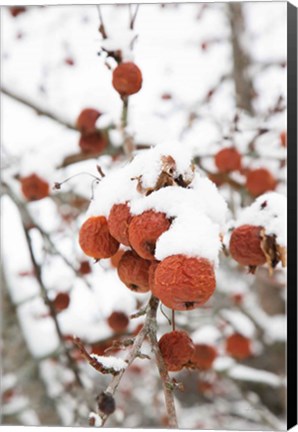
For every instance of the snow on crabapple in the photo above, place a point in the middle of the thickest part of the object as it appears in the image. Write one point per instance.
(87, 119)
(176, 349)
(34, 188)
(228, 159)
(95, 239)
(238, 346)
(259, 181)
(144, 230)
(133, 271)
(127, 79)
(260, 235)
(245, 245)
(184, 283)
(118, 321)
(203, 356)
(118, 221)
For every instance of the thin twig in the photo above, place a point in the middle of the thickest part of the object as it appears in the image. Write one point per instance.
(101, 29)
(133, 16)
(38, 273)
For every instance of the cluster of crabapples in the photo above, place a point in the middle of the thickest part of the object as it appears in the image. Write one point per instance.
(151, 261)
(126, 80)
(257, 180)
(169, 221)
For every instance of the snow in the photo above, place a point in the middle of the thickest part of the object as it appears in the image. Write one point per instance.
(96, 418)
(245, 373)
(171, 61)
(193, 235)
(110, 362)
(240, 322)
(207, 334)
(269, 211)
(199, 211)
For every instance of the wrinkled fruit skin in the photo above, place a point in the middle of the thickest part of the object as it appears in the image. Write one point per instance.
(127, 79)
(245, 246)
(183, 283)
(95, 239)
(118, 221)
(61, 301)
(106, 403)
(177, 349)
(87, 119)
(92, 143)
(144, 230)
(259, 181)
(133, 271)
(228, 160)
(34, 188)
(238, 346)
(115, 259)
(203, 356)
(118, 321)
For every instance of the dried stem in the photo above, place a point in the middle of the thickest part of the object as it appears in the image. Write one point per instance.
(241, 60)
(102, 29)
(149, 329)
(38, 273)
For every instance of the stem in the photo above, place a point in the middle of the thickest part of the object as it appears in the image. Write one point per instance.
(52, 309)
(149, 329)
(173, 320)
(163, 372)
(128, 144)
(241, 59)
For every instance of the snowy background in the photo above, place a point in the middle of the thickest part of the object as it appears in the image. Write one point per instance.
(54, 62)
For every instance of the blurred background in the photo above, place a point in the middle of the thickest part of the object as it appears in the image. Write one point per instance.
(214, 76)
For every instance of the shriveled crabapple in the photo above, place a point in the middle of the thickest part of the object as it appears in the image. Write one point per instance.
(133, 271)
(238, 346)
(245, 246)
(184, 283)
(93, 143)
(127, 79)
(259, 181)
(144, 230)
(176, 349)
(203, 356)
(118, 321)
(34, 188)
(61, 301)
(227, 160)
(118, 221)
(95, 239)
(87, 119)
